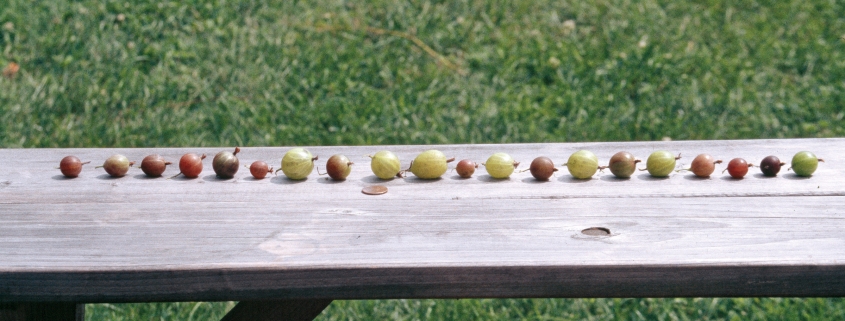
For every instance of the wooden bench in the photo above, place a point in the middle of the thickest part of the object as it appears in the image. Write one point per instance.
(281, 246)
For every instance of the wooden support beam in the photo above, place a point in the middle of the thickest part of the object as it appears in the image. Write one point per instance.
(41, 311)
(289, 310)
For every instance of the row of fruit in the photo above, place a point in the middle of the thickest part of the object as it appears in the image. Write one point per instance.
(298, 163)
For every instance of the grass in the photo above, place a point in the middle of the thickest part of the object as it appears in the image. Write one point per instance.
(270, 73)
(512, 309)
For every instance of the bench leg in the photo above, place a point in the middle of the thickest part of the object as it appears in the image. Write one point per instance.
(42, 311)
(293, 310)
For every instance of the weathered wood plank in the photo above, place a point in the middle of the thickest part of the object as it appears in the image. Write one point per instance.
(271, 310)
(30, 175)
(95, 239)
(462, 232)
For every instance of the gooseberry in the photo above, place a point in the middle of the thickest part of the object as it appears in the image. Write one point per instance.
(466, 168)
(703, 165)
(71, 166)
(190, 165)
(500, 165)
(430, 164)
(805, 163)
(770, 166)
(582, 164)
(737, 168)
(297, 163)
(385, 165)
(225, 164)
(117, 165)
(154, 165)
(661, 163)
(259, 169)
(338, 167)
(623, 164)
(542, 168)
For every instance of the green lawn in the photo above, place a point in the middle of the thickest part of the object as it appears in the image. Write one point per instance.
(270, 73)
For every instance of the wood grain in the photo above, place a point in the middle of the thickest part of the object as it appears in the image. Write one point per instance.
(133, 239)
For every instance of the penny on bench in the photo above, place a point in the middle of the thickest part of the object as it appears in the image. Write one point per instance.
(374, 190)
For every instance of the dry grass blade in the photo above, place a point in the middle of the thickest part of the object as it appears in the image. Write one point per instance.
(441, 59)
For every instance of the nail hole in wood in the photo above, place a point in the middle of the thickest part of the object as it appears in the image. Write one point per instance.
(596, 231)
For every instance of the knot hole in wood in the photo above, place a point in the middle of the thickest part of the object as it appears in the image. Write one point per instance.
(596, 231)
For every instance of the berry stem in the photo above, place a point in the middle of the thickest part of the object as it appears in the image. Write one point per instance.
(450, 160)
(318, 171)
(174, 176)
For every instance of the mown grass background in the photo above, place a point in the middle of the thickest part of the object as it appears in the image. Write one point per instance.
(269, 73)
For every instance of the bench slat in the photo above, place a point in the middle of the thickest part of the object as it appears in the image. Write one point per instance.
(96, 239)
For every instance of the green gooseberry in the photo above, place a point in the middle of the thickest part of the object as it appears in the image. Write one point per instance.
(430, 164)
(582, 164)
(298, 163)
(805, 163)
(661, 163)
(385, 165)
(500, 165)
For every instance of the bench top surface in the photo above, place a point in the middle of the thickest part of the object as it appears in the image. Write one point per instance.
(96, 238)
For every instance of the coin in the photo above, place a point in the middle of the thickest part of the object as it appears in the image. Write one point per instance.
(374, 190)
